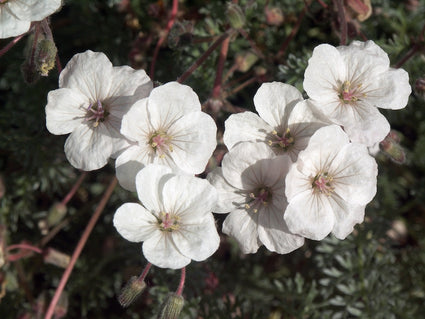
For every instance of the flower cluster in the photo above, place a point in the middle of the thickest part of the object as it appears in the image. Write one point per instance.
(299, 169)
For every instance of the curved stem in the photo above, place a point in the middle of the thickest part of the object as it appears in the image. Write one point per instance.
(11, 44)
(182, 280)
(25, 246)
(80, 246)
(74, 188)
(219, 75)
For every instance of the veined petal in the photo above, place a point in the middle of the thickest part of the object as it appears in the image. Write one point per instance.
(161, 251)
(90, 73)
(135, 123)
(347, 215)
(228, 197)
(193, 141)
(197, 241)
(310, 215)
(33, 10)
(243, 227)
(189, 197)
(246, 126)
(354, 174)
(149, 183)
(129, 163)
(242, 156)
(169, 102)
(65, 110)
(87, 148)
(134, 222)
(326, 68)
(274, 233)
(11, 26)
(272, 100)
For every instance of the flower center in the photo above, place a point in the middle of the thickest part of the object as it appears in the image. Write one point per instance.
(96, 113)
(283, 141)
(259, 198)
(168, 222)
(161, 143)
(350, 93)
(322, 183)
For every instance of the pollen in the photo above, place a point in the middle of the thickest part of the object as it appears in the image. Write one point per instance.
(161, 143)
(350, 92)
(322, 183)
(96, 113)
(168, 222)
(259, 198)
(282, 141)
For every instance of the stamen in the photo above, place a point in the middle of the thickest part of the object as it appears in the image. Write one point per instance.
(283, 142)
(348, 94)
(96, 113)
(168, 222)
(322, 183)
(258, 199)
(161, 143)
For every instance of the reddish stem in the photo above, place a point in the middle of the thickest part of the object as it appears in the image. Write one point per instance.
(241, 86)
(417, 47)
(342, 22)
(11, 44)
(161, 40)
(294, 31)
(79, 247)
(252, 43)
(182, 280)
(324, 5)
(25, 246)
(203, 57)
(74, 188)
(145, 272)
(219, 74)
(58, 64)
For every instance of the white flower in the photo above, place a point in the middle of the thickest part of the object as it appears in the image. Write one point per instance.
(286, 122)
(329, 185)
(348, 83)
(251, 186)
(16, 15)
(167, 128)
(175, 222)
(91, 101)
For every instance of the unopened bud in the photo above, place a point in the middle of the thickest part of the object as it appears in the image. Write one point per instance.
(57, 258)
(56, 214)
(132, 289)
(274, 16)
(393, 150)
(235, 15)
(362, 8)
(45, 56)
(171, 307)
(180, 34)
(245, 60)
(420, 87)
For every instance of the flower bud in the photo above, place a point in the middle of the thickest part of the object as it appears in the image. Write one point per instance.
(274, 16)
(45, 56)
(180, 34)
(57, 258)
(56, 214)
(420, 87)
(132, 289)
(362, 8)
(171, 307)
(392, 149)
(235, 15)
(245, 60)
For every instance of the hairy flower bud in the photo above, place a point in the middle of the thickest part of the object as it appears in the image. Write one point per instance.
(57, 258)
(56, 214)
(235, 15)
(245, 60)
(274, 16)
(171, 307)
(390, 147)
(362, 8)
(132, 289)
(45, 56)
(180, 34)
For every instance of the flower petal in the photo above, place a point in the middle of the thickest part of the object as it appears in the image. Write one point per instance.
(134, 222)
(11, 26)
(246, 126)
(243, 227)
(33, 10)
(272, 99)
(193, 140)
(65, 110)
(347, 215)
(161, 251)
(197, 241)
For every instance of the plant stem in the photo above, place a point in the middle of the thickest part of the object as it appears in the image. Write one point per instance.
(161, 40)
(11, 44)
(182, 280)
(145, 272)
(25, 246)
(203, 57)
(220, 66)
(342, 22)
(74, 188)
(416, 48)
(79, 247)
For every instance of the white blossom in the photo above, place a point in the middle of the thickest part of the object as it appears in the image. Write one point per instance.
(175, 222)
(166, 128)
(91, 100)
(16, 15)
(251, 186)
(348, 83)
(285, 121)
(329, 185)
